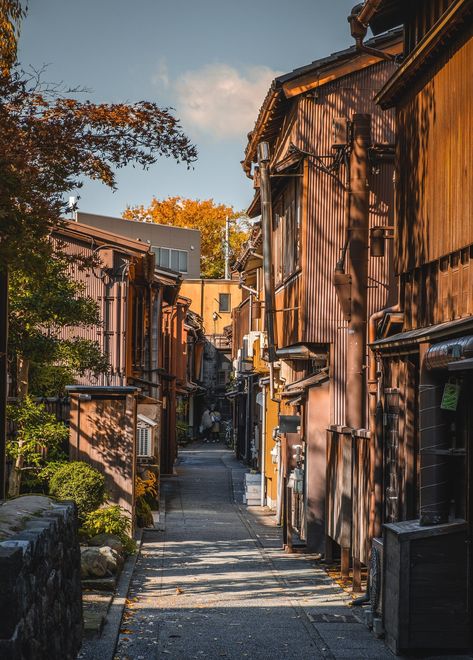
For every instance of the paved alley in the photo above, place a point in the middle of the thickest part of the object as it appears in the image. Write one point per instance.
(215, 583)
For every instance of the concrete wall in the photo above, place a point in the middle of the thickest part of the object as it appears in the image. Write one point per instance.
(40, 588)
(149, 232)
(205, 296)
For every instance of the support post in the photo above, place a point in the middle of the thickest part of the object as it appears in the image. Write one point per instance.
(345, 563)
(356, 576)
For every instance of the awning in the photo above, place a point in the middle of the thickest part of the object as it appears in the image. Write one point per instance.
(302, 352)
(147, 420)
(461, 365)
(421, 335)
(308, 381)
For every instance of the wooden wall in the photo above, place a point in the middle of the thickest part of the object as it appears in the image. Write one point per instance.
(102, 433)
(434, 156)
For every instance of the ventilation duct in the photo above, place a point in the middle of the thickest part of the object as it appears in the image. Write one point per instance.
(440, 355)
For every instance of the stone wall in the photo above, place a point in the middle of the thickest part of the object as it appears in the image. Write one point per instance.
(40, 588)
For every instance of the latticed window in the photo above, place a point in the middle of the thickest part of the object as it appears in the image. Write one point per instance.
(144, 441)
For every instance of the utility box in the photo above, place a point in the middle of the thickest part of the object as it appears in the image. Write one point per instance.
(252, 489)
(425, 587)
(340, 132)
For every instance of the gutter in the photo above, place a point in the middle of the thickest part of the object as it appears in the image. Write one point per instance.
(359, 21)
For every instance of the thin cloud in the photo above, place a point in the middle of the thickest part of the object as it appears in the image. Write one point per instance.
(161, 77)
(219, 100)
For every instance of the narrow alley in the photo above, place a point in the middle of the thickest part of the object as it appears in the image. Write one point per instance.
(216, 583)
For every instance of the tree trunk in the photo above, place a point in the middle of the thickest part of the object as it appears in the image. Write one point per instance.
(14, 483)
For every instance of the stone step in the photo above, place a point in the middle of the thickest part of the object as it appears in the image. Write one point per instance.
(95, 606)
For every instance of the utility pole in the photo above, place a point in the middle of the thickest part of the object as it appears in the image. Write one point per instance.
(358, 224)
(227, 248)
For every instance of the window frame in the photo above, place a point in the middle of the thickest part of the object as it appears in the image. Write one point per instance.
(178, 253)
(229, 298)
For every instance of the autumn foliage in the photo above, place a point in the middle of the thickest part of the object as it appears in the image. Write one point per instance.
(50, 142)
(204, 215)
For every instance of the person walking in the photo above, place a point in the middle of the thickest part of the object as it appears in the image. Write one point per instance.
(206, 424)
(216, 417)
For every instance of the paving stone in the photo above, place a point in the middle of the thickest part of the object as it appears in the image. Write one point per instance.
(216, 583)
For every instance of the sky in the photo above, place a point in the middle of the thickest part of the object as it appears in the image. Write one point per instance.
(211, 60)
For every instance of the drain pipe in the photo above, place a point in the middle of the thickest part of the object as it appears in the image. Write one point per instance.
(359, 20)
(263, 446)
(376, 444)
(267, 227)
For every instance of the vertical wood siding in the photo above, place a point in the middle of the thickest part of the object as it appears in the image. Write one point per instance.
(324, 218)
(435, 143)
(111, 300)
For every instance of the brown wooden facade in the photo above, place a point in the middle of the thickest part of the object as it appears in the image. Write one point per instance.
(142, 322)
(425, 483)
(309, 205)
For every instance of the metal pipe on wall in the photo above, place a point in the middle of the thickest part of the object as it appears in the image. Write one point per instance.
(358, 223)
(263, 445)
(376, 443)
(267, 228)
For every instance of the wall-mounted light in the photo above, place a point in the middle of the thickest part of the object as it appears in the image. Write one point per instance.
(378, 236)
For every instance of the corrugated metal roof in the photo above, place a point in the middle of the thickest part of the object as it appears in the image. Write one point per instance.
(276, 105)
(424, 334)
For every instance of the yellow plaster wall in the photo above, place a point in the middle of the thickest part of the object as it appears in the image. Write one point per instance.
(204, 296)
(270, 472)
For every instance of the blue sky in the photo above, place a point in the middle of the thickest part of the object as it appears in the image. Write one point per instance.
(211, 60)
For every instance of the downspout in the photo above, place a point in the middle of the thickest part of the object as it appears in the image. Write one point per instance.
(376, 444)
(359, 21)
(263, 445)
(267, 227)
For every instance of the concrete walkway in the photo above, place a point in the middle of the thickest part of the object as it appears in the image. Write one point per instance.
(215, 583)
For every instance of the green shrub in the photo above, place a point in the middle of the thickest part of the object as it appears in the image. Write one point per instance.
(49, 470)
(110, 520)
(144, 517)
(80, 482)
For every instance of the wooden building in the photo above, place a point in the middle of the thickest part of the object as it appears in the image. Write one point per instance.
(141, 332)
(424, 344)
(310, 120)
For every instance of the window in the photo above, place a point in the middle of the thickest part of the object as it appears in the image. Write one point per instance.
(287, 232)
(170, 258)
(144, 441)
(224, 302)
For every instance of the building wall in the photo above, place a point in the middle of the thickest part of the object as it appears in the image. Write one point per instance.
(271, 469)
(435, 143)
(204, 295)
(152, 233)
